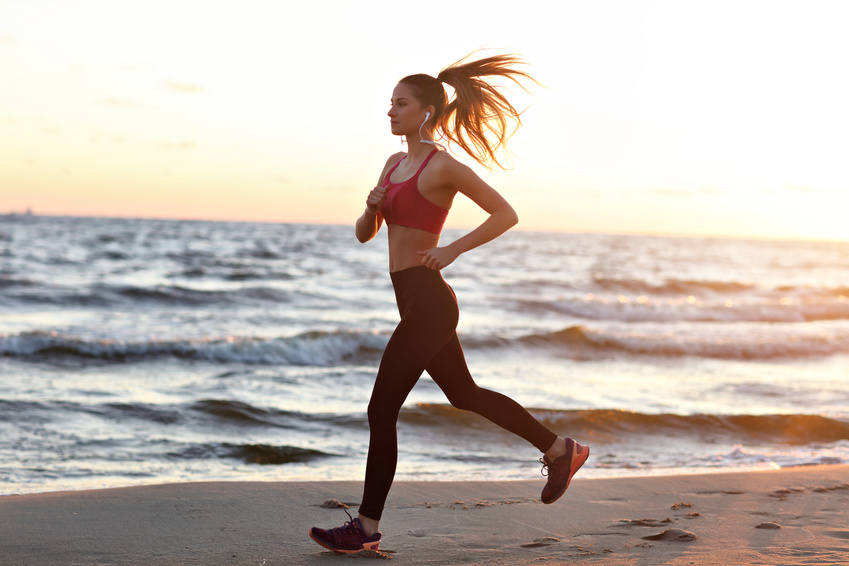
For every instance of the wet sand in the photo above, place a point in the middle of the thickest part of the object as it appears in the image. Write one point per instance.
(792, 516)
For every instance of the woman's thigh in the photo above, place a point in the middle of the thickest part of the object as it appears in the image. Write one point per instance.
(428, 321)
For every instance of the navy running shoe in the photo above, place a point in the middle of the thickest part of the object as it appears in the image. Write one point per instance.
(347, 539)
(561, 470)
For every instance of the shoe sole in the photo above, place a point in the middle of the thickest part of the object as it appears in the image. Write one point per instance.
(367, 546)
(576, 465)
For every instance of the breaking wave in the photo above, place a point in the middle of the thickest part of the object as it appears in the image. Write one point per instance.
(613, 426)
(310, 348)
(321, 348)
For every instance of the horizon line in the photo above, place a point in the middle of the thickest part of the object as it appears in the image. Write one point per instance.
(29, 213)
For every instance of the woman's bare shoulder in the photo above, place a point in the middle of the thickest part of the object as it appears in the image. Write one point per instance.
(390, 163)
(395, 158)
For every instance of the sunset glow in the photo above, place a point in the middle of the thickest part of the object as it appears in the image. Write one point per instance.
(704, 118)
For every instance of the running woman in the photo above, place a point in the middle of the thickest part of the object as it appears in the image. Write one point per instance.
(414, 194)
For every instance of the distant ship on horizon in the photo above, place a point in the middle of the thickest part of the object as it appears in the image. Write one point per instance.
(27, 212)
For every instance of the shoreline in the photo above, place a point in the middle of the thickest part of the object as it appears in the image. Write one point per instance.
(586, 474)
(777, 517)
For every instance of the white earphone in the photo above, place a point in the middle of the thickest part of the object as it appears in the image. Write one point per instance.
(421, 139)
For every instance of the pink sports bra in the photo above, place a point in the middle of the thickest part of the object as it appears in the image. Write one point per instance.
(406, 206)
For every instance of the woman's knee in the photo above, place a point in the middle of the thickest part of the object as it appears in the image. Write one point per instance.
(466, 399)
(381, 414)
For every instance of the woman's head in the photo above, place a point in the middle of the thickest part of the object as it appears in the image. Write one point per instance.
(409, 114)
(478, 115)
(428, 91)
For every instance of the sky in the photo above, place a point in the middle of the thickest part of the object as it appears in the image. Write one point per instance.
(717, 118)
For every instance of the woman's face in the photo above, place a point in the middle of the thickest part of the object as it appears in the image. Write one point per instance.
(405, 112)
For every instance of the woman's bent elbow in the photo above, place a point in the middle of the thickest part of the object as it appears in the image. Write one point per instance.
(362, 236)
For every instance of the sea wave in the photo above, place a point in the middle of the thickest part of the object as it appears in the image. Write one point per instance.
(203, 413)
(697, 287)
(263, 454)
(671, 287)
(690, 308)
(25, 292)
(603, 426)
(245, 413)
(835, 454)
(8, 282)
(743, 343)
(580, 342)
(310, 348)
(615, 426)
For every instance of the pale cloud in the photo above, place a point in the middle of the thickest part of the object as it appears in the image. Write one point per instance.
(803, 190)
(793, 189)
(120, 103)
(133, 67)
(6, 39)
(97, 136)
(665, 192)
(181, 87)
(185, 144)
(592, 193)
(46, 125)
(681, 193)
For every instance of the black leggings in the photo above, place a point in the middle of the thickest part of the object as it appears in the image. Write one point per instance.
(426, 339)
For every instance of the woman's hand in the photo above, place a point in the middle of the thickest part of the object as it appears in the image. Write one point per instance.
(369, 223)
(437, 258)
(375, 199)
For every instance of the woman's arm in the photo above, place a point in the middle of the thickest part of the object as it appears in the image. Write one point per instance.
(369, 223)
(502, 217)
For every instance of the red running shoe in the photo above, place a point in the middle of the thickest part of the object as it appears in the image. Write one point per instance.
(347, 539)
(560, 471)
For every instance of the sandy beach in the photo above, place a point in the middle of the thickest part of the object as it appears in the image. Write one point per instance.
(796, 516)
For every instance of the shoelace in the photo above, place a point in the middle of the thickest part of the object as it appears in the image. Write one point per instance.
(558, 470)
(545, 470)
(349, 528)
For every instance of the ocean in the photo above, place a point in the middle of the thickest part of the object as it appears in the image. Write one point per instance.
(138, 351)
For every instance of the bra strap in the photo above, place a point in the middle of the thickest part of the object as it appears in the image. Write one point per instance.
(427, 159)
(394, 167)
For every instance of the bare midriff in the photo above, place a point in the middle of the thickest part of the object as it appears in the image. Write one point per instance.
(405, 245)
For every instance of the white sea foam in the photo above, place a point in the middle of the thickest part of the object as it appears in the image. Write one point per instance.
(313, 348)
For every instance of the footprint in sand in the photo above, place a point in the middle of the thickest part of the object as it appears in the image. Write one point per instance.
(544, 541)
(781, 494)
(822, 489)
(642, 523)
(373, 554)
(676, 535)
